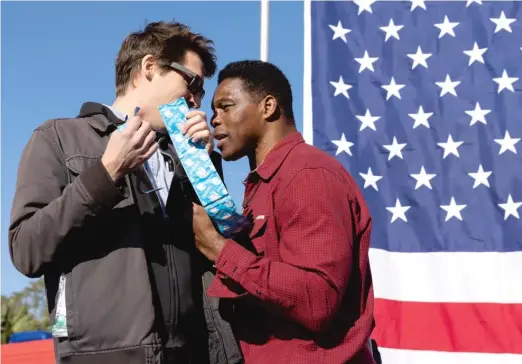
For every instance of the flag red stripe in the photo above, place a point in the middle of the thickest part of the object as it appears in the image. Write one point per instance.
(458, 327)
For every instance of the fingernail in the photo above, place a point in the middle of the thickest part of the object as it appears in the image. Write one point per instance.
(136, 110)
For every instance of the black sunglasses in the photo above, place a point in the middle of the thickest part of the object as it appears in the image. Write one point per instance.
(195, 83)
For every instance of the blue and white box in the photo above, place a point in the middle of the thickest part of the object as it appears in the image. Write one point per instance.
(201, 172)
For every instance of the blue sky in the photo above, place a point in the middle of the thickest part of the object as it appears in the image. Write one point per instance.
(55, 56)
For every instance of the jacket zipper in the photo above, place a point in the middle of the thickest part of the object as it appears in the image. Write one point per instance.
(155, 186)
(173, 294)
(173, 282)
(205, 298)
(211, 314)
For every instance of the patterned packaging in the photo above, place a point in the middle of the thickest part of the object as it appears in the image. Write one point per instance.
(211, 191)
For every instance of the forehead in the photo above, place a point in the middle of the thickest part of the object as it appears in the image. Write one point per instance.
(194, 63)
(232, 88)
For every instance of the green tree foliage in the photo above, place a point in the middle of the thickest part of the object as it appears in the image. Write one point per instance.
(25, 310)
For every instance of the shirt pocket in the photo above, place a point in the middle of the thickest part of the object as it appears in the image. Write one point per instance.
(78, 163)
(258, 233)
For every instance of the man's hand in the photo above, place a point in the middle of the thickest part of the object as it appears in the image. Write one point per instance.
(208, 241)
(196, 127)
(130, 148)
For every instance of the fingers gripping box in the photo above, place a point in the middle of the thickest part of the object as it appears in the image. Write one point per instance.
(211, 191)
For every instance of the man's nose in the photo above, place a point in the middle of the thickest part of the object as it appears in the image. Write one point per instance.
(215, 121)
(194, 101)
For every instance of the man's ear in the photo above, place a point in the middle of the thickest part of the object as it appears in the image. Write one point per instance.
(270, 108)
(149, 66)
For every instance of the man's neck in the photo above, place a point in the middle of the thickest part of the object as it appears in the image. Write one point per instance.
(268, 142)
(126, 104)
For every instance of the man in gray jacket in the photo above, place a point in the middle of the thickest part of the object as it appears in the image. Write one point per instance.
(105, 216)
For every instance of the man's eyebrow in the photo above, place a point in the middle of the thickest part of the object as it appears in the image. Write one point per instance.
(223, 99)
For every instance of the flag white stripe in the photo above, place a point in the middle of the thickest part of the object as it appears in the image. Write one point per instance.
(400, 356)
(447, 277)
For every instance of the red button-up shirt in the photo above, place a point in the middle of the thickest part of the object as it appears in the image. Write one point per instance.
(301, 290)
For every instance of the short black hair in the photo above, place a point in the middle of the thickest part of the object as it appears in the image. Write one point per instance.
(261, 79)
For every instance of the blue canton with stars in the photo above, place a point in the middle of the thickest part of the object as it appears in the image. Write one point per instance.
(422, 103)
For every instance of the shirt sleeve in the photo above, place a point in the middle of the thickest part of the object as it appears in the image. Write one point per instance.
(315, 217)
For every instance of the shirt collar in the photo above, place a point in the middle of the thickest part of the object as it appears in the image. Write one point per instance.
(119, 114)
(277, 155)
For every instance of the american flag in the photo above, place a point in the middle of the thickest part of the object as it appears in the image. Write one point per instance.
(422, 103)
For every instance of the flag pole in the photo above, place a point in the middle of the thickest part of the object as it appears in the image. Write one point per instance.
(264, 30)
(308, 130)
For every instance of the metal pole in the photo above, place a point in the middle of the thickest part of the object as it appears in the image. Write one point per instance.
(264, 30)
(308, 129)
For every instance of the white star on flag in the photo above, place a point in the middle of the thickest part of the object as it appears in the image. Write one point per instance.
(503, 23)
(507, 143)
(364, 5)
(393, 89)
(339, 31)
(398, 211)
(391, 30)
(453, 210)
(423, 178)
(417, 4)
(343, 145)
(341, 88)
(450, 147)
(478, 115)
(505, 82)
(480, 177)
(510, 208)
(421, 118)
(395, 149)
(367, 120)
(475, 54)
(469, 2)
(446, 27)
(366, 62)
(370, 179)
(448, 86)
(419, 58)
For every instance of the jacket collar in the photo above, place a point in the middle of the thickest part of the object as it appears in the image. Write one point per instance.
(99, 116)
(104, 119)
(277, 155)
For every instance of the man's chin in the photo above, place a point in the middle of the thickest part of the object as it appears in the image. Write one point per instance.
(231, 157)
(152, 115)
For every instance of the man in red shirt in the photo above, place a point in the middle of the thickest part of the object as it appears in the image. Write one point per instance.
(299, 289)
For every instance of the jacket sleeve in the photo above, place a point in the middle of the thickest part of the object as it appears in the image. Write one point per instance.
(46, 209)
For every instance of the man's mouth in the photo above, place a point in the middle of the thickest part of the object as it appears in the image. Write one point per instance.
(219, 137)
